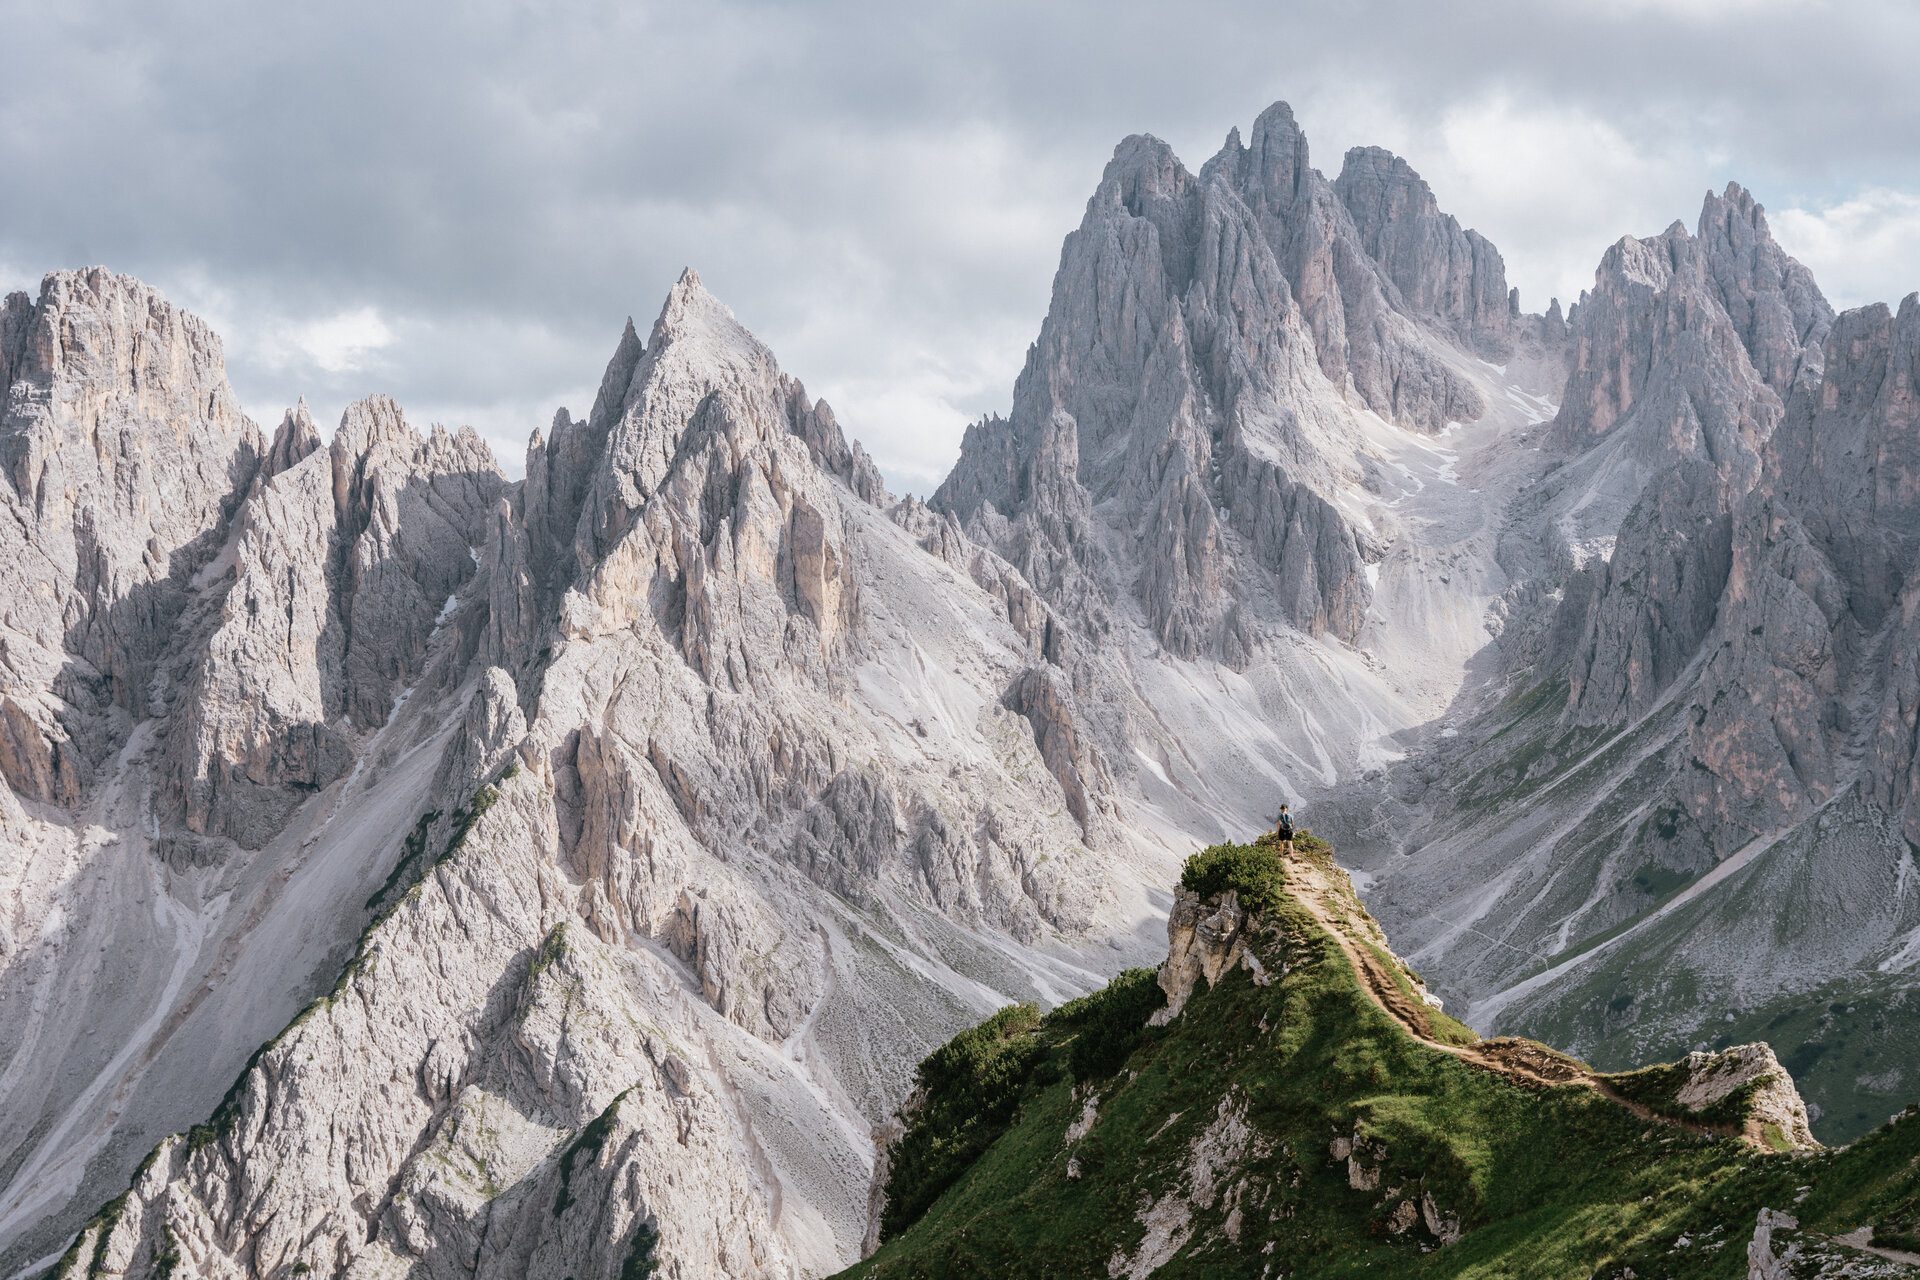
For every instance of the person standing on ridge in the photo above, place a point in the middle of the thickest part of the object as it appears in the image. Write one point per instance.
(1283, 828)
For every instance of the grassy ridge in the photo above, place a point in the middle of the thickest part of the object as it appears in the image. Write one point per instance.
(1541, 1182)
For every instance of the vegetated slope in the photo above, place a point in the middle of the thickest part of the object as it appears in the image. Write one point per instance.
(1304, 1110)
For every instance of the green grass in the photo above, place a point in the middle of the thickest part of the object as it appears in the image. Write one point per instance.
(970, 1089)
(1545, 1182)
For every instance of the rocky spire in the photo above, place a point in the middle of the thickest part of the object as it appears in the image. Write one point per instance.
(1441, 271)
(125, 455)
(1362, 332)
(1655, 354)
(344, 566)
(1172, 369)
(1776, 308)
(296, 437)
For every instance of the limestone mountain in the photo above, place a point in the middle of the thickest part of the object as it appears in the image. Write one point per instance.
(1238, 427)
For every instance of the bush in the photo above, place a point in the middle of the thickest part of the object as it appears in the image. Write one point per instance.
(970, 1089)
(1108, 1024)
(1256, 872)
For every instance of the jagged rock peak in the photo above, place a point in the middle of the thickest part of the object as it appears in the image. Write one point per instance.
(697, 350)
(295, 438)
(81, 317)
(1441, 270)
(1655, 350)
(126, 455)
(618, 376)
(1364, 331)
(1142, 167)
(1778, 310)
(376, 425)
(701, 370)
(1278, 150)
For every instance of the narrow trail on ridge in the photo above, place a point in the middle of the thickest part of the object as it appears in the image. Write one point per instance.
(1325, 891)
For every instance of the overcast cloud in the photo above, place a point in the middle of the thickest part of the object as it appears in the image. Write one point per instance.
(460, 204)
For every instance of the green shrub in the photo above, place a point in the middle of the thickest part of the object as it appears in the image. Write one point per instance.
(166, 1258)
(970, 1090)
(1256, 872)
(1108, 1024)
(641, 1261)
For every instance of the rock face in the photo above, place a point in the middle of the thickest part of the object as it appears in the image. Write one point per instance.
(1652, 603)
(329, 615)
(1158, 406)
(1362, 333)
(1778, 311)
(1443, 272)
(125, 456)
(1775, 1108)
(1203, 944)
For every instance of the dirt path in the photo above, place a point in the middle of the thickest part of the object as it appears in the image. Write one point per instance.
(1525, 1062)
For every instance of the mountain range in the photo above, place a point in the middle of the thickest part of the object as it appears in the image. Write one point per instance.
(421, 873)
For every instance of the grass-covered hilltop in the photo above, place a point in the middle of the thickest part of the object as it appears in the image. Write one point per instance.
(1284, 1100)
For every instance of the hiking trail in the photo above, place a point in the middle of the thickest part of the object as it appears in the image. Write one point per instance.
(1328, 895)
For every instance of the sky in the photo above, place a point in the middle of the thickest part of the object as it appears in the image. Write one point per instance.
(460, 205)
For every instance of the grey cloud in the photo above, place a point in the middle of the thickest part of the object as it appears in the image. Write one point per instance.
(879, 190)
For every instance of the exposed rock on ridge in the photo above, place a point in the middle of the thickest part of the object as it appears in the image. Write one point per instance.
(344, 563)
(1442, 271)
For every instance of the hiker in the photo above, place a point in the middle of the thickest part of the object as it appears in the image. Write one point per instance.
(1284, 829)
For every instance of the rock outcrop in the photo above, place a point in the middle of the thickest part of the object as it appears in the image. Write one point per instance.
(1776, 1114)
(1652, 603)
(1777, 309)
(344, 563)
(1205, 940)
(1825, 552)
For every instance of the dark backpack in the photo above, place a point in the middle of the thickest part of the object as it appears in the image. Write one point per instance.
(1286, 826)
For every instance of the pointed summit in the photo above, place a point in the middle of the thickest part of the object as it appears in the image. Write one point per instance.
(296, 438)
(1278, 153)
(1778, 310)
(1442, 270)
(692, 314)
(1143, 171)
